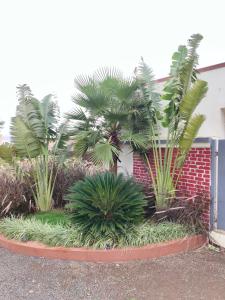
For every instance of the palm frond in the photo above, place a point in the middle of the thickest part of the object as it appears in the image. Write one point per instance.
(188, 137)
(147, 85)
(27, 144)
(77, 114)
(105, 73)
(189, 72)
(24, 93)
(137, 140)
(85, 140)
(178, 60)
(192, 98)
(104, 153)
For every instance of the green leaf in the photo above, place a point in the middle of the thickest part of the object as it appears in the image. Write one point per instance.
(104, 153)
(188, 137)
(192, 99)
(26, 142)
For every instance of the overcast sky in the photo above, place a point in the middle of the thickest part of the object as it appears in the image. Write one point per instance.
(45, 43)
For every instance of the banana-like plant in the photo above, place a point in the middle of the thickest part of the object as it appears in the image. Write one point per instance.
(182, 92)
(108, 113)
(37, 136)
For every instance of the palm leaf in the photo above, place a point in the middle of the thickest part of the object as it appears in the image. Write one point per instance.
(189, 71)
(188, 137)
(27, 144)
(193, 97)
(24, 93)
(104, 153)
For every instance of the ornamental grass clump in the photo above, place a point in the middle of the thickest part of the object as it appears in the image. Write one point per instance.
(106, 205)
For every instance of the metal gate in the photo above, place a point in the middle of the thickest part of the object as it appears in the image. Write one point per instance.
(221, 185)
(218, 185)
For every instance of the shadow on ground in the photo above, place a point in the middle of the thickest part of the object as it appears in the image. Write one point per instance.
(196, 275)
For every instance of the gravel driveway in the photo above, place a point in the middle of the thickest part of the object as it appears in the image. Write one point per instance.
(197, 275)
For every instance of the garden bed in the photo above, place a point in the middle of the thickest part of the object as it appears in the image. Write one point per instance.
(113, 255)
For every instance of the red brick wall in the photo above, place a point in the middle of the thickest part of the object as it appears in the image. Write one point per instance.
(195, 178)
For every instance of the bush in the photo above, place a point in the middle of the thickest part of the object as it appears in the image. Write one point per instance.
(69, 236)
(67, 174)
(16, 195)
(52, 217)
(7, 152)
(16, 181)
(106, 204)
(190, 211)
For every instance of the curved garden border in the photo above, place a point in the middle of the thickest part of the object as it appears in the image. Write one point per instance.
(113, 255)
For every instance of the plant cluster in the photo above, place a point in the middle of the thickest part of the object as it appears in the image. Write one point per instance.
(67, 236)
(38, 137)
(106, 205)
(105, 210)
(16, 195)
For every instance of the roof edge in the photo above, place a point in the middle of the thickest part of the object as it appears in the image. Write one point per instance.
(200, 70)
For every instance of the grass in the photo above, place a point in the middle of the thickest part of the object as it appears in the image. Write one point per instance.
(51, 217)
(32, 229)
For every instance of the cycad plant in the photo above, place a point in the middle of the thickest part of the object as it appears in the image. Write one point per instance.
(109, 112)
(182, 93)
(37, 136)
(106, 205)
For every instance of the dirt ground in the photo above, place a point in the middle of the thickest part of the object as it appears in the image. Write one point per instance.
(196, 275)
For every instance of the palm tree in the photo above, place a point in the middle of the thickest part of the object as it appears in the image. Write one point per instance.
(109, 112)
(34, 130)
(183, 92)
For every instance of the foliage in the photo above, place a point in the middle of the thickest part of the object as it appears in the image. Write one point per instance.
(106, 204)
(51, 217)
(31, 229)
(16, 180)
(62, 235)
(67, 174)
(7, 152)
(189, 211)
(109, 111)
(182, 92)
(16, 196)
(35, 130)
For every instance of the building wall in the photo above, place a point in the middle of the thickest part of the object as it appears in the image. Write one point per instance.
(194, 181)
(125, 165)
(213, 105)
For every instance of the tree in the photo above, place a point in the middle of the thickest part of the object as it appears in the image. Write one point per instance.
(182, 92)
(37, 136)
(109, 112)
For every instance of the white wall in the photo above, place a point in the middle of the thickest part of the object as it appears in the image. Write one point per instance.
(213, 105)
(126, 165)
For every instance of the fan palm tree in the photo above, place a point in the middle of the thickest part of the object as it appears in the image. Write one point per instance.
(109, 112)
(34, 130)
(182, 92)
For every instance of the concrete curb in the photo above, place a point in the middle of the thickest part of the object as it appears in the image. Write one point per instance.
(112, 255)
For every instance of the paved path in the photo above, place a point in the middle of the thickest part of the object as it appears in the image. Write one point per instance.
(197, 275)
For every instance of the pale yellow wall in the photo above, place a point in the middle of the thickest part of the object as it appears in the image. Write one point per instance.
(126, 157)
(213, 105)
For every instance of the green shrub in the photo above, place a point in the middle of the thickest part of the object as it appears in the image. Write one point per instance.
(51, 217)
(7, 152)
(15, 194)
(70, 236)
(67, 174)
(106, 204)
(36, 230)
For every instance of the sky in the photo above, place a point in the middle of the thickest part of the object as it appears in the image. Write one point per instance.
(46, 43)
